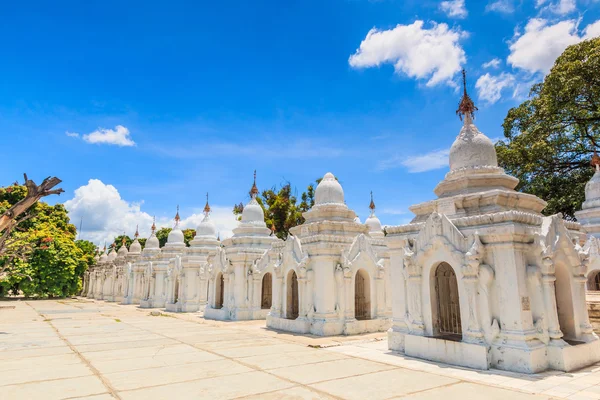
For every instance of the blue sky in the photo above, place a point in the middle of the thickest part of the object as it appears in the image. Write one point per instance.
(158, 103)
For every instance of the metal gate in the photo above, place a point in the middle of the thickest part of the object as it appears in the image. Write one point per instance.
(448, 307)
(596, 282)
(361, 304)
(267, 291)
(292, 297)
(220, 292)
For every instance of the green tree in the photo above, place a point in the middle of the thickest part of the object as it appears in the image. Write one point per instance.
(51, 264)
(281, 209)
(551, 136)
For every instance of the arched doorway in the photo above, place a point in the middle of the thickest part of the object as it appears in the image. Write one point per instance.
(220, 289)
(292, 296)
(362, 295)
(593, 283)
(447, 322)
(267, 291)
(564, 300)
(176, 291)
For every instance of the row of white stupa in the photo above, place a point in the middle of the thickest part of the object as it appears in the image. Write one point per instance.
(479, 278)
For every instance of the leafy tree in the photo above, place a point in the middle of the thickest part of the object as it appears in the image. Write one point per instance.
(163, 234)
(52, 264)
(281, 209)
(551, 136)
(118, 242)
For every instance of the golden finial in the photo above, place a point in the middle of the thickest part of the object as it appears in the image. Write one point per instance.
(153, 227)
(177, 218)
(595, 160)
(372, 205)
(206, 207)
(466, 107)
(273, 230)
(219, 236)
(254, 190)
(124, 240)
(137, 232)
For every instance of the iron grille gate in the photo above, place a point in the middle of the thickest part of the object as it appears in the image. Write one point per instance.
(221, 292)
(293, 297)
(448, 307)
(361, 311)
(267, 291)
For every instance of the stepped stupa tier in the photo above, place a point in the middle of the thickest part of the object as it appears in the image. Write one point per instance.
(589, 215)
(475, 184)
(236, 285)
(171, 251)
(482, 279)
(329, 279)
(188, 284)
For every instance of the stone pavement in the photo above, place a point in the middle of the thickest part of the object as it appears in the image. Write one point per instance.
(68, 349)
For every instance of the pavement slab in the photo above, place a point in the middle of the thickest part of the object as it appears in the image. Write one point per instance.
(88, 349)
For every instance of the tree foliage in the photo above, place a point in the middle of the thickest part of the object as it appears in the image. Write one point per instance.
(52, 261)
(550, 137)
(281, 207)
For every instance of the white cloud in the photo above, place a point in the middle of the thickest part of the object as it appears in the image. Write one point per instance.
(434, 54)
(493, 63)
(489, 87)
(561, 7)
(120, 136)
(592, 30)
(420, 163)
(541, 43)
(72, 134)
(106, 215)
(454, 8)
(501, 6)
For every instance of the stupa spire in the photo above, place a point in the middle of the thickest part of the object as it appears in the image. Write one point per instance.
(372, 205)
(254, 189)
(153, 227)
(177, 217)
(466, 107)
(137, 232)
(595, 161)
(206, 207)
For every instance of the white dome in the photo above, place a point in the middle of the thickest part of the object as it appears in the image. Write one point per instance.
(592, 188)
(103, 257)
(122, 251)
(135, 247)
(253, 213)
(175, 236)
(472, 148)
(112, 255)
(206, 228)
(152, 242)
(329, 191)
(374, 224)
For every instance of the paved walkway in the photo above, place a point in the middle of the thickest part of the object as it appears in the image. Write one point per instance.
(69, 349)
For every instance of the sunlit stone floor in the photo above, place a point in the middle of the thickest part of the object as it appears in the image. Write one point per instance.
(67, 349)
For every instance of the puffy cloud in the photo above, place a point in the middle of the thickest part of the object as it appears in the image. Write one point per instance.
(434, 54)
(489, 87)
(106, 215)
(493, 63)
(419, 163)
(541, 43)
(119, 136)
(560, 7)
(72, 134)
(501, 6)
(454, 8)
